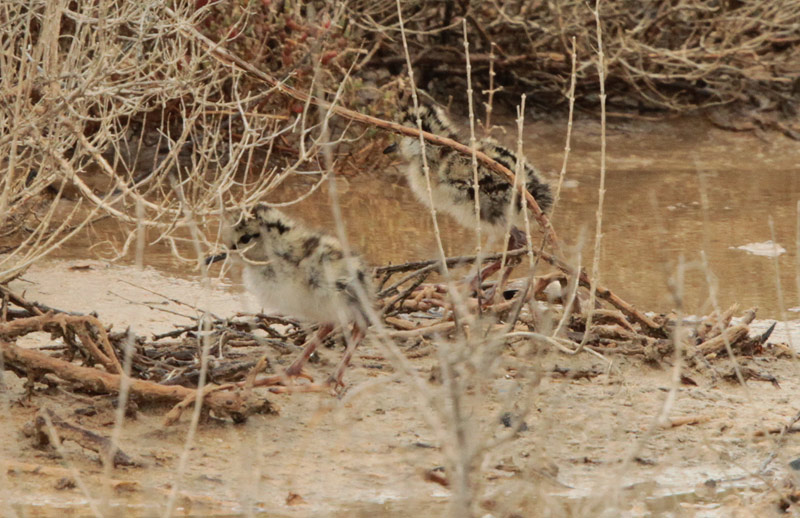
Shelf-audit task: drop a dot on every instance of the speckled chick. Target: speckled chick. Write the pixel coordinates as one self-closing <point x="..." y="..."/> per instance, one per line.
<point x="303" y="274"/>
<point x="296" y="271"/>
<point x="452" y="175"/>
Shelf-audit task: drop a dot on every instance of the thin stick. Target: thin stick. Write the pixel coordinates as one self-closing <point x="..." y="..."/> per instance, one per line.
<point x="487" y="126"/>
<point x="425" y="166"/>
<point x="119" y="420"/>
<point x="533" y="259"/>
<point x="678" y="343"/>
<point x="558" y="343"/>
<point x="602" y="292"/>
<point x="797" y="253"/>
<point x="198" y="405"/>
<point x="519" y="170"/>
<point x="567" y="148"/>
<point x="601" y="190"/>
<point x="55" y="441"/>
<point x="712" y="287"/>
<point x="779" y="285"/>
<point x="778" y="443"/>
<point x="473" y="144"/>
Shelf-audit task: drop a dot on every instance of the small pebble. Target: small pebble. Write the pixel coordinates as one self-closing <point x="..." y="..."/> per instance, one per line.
<point x="508" y="421"/>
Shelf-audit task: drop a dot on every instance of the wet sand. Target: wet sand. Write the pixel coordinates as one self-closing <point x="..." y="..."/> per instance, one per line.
<point x="366" y="454"/>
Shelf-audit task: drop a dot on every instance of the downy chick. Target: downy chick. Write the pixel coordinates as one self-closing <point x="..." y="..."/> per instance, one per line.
<point x="453" y="185"/>
<point x="301" y="273"/>
<point x="452" y="175"/>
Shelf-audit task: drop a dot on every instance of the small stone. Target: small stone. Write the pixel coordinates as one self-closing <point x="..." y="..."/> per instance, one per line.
<point x="65" y="483"/>
<point x="508" y="420"/>
<point x="295" y="499"/>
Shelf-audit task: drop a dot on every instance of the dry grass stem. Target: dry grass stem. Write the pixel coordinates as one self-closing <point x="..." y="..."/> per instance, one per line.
<point x="601" y="189"/>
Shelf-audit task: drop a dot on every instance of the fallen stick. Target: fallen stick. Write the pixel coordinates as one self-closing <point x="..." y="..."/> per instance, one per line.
<point x="441" y="327"/>
<point x="62" y="430"/>
<point x="174" y="415"/>
<point x="450" y="261"/>
<point x="650" y="326"/>
<point x="681" y="421"/>
<point x="15" y="468"/>
<point x="33" y="308"/>
<point x="779" y="443"/>
<point x="222" y="403"/>
<point x="400" y="323"/>
<point x="59" y="323"/>
<point x="729" y="336"/>
<point x="776" y="430"/>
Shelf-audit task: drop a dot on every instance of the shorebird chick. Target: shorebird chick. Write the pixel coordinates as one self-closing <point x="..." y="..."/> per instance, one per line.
<point x="452" y="181"/>
<point x="303" y="274"/>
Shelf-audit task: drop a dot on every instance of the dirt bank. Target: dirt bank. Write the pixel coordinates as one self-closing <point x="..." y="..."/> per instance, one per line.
<point x="589" y="443"/>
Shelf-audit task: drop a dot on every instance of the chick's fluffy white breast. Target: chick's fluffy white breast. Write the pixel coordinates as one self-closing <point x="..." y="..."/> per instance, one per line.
<point x="297" y="272"/>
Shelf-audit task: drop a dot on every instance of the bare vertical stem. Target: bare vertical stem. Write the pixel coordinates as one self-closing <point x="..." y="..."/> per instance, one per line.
<point x="567" y="145"/>
<point x="712" y="286"/>
<point x="205" y="343"/>
<point x="140" y="234"/>
<point x="601" y="190"/>
<point x="676" y="288"/>
<point x="7" y="429"/>
<point x="573" y="283"/>
<point x="473" y="143"/>
<point x="425" y="167"/>
<point x="119" y="421"/>
<point x="193" y="228"/>
<point x="779" y="285"/>
<point x="76" y="474"/>
<point x="489" y="104"/>
<point x="797" y="255"/>
<point x="677" y="340"/>
<point x="520" y="178"/>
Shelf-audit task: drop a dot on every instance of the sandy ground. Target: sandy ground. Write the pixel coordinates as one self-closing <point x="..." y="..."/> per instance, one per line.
<point x="591" y="447"/>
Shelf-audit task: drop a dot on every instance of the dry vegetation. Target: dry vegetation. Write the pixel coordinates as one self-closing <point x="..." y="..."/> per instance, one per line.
<point x="102" y="103"/>
<point x="660" y="56"/>
<point x="162" y="117"/>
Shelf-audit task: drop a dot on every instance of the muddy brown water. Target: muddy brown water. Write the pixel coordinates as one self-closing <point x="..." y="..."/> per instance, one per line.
<point x="657" y="175"/>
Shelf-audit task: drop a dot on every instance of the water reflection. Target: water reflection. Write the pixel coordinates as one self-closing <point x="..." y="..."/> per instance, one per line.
<point x="658" y="174"/>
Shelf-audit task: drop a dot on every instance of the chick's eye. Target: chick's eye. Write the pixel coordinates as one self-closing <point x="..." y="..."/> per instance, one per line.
<point x="246" y="238"/>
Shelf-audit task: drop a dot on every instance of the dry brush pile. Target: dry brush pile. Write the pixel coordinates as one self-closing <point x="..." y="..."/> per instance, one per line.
<point x="226" y="354"/>
<point x="660" y="56"/>
<point x="131" y="112"/>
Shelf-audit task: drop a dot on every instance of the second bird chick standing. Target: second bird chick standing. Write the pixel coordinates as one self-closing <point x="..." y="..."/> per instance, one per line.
<point x="452" y="181"/>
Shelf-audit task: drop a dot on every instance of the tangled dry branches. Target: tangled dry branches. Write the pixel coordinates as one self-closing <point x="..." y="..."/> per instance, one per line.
<point x="675" y="56"/>
<point x="118" y="111"/>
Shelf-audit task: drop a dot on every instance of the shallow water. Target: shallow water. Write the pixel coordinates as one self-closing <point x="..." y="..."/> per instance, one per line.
<point x="657" y="176"/>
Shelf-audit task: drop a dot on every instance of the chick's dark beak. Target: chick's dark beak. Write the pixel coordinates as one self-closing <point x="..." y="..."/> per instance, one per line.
<point x="216" y="258"/>
<point x="390" y="149"/>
